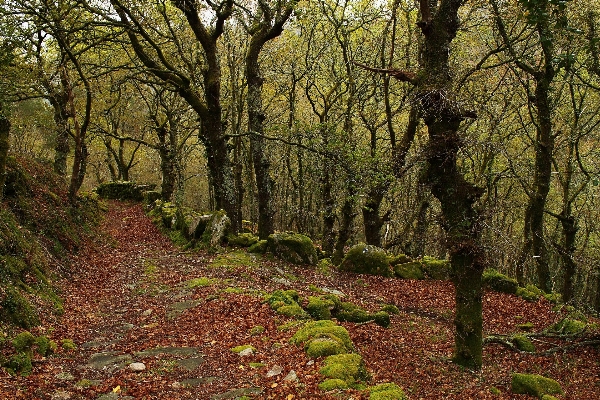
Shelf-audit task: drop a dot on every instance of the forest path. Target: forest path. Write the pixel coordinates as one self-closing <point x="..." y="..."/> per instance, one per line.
<point x="133" y="297"/>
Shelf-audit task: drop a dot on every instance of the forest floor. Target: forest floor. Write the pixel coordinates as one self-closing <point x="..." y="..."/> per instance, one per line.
<point x="129" y="299"/>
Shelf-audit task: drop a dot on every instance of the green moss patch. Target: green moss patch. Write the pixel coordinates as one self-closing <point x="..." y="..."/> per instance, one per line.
<point x="494" y="280"/>
<point x="535" y="385"/>
<point x="523" y="343"/>
<point x="410" y="270"/>
<point x="386" y="391"/>
<point x="366" y="259"/>
<point x="320" y="307"/>
<point x="200" y="282"/>
<point x="239" y="349"/>
<point x="346" y="367"/>
<point x="242" y="240"/>
<point x="123" y="190"/>
<point x="324" y="329"/>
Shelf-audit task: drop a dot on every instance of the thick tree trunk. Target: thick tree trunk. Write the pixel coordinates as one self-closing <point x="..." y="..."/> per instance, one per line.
<point x="4" y="145"/>
<point x="328" y="232"/>
<point x="443" y="115"/>
<point x="347" y="218"/>
<point x="569" y="227"/>
<point x="262" y="164"/>
<point x="372" y="221"/>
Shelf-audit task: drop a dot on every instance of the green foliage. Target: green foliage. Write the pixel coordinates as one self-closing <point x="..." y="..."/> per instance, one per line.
<point x="535" y="385"/>
<point x="387" y="391"/>
<point x="495" y="391"/>
<point x="529" y="293"/>
<point x="390" y="309"/>
<point x="257" y="330"/>
<point x="293" y="247"/>
<point x="574" y="323"/>
<point x="366" y="259"/>
<point x="494" y="280"/>
<point x="45" y="346"/>
<point x="285" y="302"/>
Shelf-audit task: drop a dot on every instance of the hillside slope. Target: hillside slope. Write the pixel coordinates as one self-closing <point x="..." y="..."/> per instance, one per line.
<point x="39" y="228"/>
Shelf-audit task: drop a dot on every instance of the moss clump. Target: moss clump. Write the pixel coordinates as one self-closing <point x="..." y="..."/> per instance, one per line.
<point x="323" y="329"/>
<point x="527" y="326"/>
<point x="68" y="345"/>
<point x="535" y="385"/>
<point x="322" y="347"/>
<point x="259" y="247"/>
<point x="20" y="363"/>
<point x="574" y="323"/>
<point x="23" y="342"/>
<point x="294" y="311"/>
<point x="494" y="280"/>
<point x="350" y="312"/>
<point x="523" y="343"/>
<point x="16" y="309"/>
<point x="200" y="282"/>
<point x="239" y="349"/>
<point x="320" y="307"/>
<point x="436" y="269"/>
<point x="495" y="391"/>
<point x="382" y="318"/>
<point x="390" y="309"/>
<point x="529" y="293"/>
<point x="257" y="330"/>
<point x="333" y="384"/>
<point x="293" y="247"/>
<point x="242" y="240"/>
<point x="45" y="346"/>
<point x="367" y="259"/>
<point x="346" y="367"/>
<point x="386" y="391"/>
<point x="285" y="302"/>
<point x="410" y="270"/>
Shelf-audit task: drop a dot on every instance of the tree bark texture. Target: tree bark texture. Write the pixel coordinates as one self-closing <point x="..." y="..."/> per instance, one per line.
<point x="4" y="145"/>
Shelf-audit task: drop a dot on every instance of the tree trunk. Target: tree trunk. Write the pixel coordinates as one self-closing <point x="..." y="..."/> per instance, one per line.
<point x="443" y="115"/>
<point x="372" y="221"/>
<point x="347" y="218"/>
<point x="4" y="145"/>
<point x="569" y="226"/>
<point x="262" y="164"/>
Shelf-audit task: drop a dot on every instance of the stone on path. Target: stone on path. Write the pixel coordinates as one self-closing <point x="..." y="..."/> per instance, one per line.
<point x="274" y="371"/>
<point x="137" y="366"/>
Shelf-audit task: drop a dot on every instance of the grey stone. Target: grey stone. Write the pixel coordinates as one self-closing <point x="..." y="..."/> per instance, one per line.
<point x="137" y="366"/>
<point x="246" y="352"/>
<point x="291" y="377"/>
<point x="108" y="360"/>
<point x="274" y="371"/>
<point x="190" y="363"/>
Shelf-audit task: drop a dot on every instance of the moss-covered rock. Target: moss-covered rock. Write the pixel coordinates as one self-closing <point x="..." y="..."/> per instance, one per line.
<point x="523" y="343"/>
<point x="366" y="259"/>
<point x="285" y="302"/>
<point x="410" y="270"/>
<point x="293" y="247"/>
<point x="320" y="307"/>
<point x="333" y="384"/>
<point x="323" y="329"/>
<point x="494" y="280"/>
<point x="217" y="229"/>
<point x="574" y="323"/>
<point x="349" y="368"/>
<point x="535" y="385"/>
<point x="259" y="247"/>
<point x="350" y="312"/>
<point x="387" y="391"/>
<point x="149" y="197"/>
<point x="325" y="346"/>
<point x="436" y="269"/>
<point x="23" y="342"/>
<point x="242" y="240"/>
<point x="390" y="309"/>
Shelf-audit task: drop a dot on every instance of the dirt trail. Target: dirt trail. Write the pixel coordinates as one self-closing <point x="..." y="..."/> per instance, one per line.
<point x="135" y="298"/>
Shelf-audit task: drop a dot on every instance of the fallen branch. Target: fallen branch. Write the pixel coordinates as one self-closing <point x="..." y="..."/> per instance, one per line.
<point x="404" y="76"/>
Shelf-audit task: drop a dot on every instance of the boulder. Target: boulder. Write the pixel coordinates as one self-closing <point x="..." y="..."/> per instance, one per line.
<point x="367" y="259"/>
<point x="293" y="247"/>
